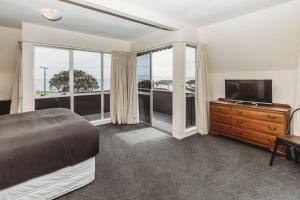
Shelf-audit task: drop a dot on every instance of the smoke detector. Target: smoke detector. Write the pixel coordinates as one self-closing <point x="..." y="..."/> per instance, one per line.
<point x="51" y="14"/>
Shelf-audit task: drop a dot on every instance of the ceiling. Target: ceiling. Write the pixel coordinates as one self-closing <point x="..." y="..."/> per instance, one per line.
<point x="13" y="12"/>
<point x="194" y="13"/>
<point x="203" y="12"/>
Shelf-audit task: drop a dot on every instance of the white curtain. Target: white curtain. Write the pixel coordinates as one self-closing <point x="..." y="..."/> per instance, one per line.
<point x="202" y="92"/>
<point x="295" y="129"/>
<point x="15" y="106"/>
<point x="124" y="94"/>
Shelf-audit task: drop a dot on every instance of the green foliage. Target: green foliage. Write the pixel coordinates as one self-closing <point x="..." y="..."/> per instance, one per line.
<point x="145" y="84"/>
<point x="83" y="82"/>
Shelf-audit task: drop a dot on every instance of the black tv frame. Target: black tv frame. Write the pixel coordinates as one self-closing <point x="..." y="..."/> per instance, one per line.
<point x="240" y="101"/>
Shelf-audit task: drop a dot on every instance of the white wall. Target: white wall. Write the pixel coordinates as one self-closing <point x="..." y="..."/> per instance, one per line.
<point x="60" y="37"/>
<point x="283" y="83"/>
<point x="35" y="34"/>
<point x="9" y="38"/>
<point x="260" y="45"/>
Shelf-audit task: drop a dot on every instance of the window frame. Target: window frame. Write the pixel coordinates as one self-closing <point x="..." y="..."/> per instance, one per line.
<point x="192" y="128"/>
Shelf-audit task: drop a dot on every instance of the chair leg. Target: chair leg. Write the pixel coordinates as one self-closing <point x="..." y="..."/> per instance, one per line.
<point x="274" y="153"/>
<point x="296" y="152"/>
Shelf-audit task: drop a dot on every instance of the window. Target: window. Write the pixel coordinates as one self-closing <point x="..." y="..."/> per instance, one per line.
<point x="190" y="86"/>
<point x="87" y="84"/>
<point x="73" y="79"/>
<point x="51" y="78"/>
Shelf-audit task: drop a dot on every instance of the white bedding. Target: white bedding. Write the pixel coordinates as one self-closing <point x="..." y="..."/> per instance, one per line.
<point x="53" y="185"/>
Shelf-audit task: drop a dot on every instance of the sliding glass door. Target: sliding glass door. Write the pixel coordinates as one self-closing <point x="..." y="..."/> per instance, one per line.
<point x="155" y="76"/>
<point x="162" y="77"/>
<point x="73" y="79"/>
<point x="144" y="86"/>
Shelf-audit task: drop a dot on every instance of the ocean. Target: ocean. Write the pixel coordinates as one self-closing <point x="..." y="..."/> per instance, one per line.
<point x="39" y="84"/>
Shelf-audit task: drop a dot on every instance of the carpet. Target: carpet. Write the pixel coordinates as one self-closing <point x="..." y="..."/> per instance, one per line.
<point x="141" y="163"/>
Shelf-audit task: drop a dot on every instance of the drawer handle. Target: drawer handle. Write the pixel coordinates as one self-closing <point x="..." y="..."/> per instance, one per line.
<point x="272" y="117"/>
<point x="270" y="140"/>
<point x="219" y="108"/>
<point x="239" y="121"/>
<point x="272" y="128"/>
<point x="239" y="112"/>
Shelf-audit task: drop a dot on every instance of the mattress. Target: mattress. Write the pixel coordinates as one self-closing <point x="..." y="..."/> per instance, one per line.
<point x="37" y="143"/>
<point x="52" y="185"/>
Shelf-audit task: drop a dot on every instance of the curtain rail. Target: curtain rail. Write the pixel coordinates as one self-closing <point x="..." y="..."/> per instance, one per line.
<point x="66" y="47"/>
<point x="162" y="46"/>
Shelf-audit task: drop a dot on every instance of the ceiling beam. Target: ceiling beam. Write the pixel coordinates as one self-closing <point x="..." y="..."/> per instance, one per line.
<point x="115" y="13"/>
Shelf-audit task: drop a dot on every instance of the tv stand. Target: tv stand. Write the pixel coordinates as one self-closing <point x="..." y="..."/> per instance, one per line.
<point x="256" y="124"/>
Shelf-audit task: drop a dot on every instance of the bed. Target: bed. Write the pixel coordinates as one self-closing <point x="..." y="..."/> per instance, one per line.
<point x="45" y="154"/>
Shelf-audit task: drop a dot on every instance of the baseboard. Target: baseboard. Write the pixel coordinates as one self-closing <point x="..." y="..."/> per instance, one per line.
<point x="101" y="122"/>
<point x="188" y="134"/>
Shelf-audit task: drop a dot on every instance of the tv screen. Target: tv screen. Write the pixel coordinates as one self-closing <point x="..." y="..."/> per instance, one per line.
<point x="258" y="91"/>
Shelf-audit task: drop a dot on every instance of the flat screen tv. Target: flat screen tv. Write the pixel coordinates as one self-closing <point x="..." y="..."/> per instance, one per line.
<point x="256" y="91"/>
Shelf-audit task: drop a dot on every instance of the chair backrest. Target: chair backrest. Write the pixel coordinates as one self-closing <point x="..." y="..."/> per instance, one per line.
<point x="291" y="120"/>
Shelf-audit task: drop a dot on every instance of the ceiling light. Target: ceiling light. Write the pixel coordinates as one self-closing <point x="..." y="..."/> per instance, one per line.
<point x="51" y="14"/>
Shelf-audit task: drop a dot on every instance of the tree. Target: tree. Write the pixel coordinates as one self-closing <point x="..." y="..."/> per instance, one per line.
<point x="144" y="84"/>
<point x="83" y="82"/>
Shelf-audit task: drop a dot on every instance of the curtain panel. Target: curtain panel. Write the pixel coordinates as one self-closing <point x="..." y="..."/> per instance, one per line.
<point x="202" y="92"/>
<point x="15" y="106"/>
<point x="124" y="94"/>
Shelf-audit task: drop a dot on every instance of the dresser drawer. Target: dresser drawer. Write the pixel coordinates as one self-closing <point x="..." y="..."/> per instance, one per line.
<point x="220" y="109"/>
<point x="260" y="138"/>
<point x="260" y="115"/>
<point x="220" y="127"/>
<point x="261" y="126"/>
<point x="220" y="117"/>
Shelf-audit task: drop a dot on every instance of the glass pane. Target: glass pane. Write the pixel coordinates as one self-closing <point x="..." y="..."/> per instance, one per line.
<point x="106" y="71"/>
<point x="56" y="102"/>
<point x="144" y="86"/>
<point x="87" y="71"/>
<point x="88" y="106"/>
<point x="143" y="73"/>
<point x="144" y="108"/>
<point x="162" y="75"/>
<point x="106" y="83"/>
<point x="107" y="105"/>
<point x="51" y="71"/>
<point x="162" y="70"/>
<point x="190" y="86"/>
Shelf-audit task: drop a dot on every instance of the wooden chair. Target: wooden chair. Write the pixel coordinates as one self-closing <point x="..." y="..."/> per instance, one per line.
<point x="289" y="140"/>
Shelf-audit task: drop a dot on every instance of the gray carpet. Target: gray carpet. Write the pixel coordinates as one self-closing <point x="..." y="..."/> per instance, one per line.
<point x="140" y="163"/>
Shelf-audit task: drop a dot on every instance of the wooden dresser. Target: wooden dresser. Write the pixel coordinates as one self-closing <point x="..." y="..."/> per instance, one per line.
<point x="258" y="125"/>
